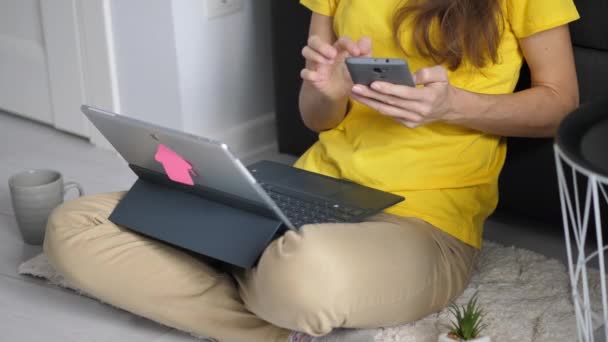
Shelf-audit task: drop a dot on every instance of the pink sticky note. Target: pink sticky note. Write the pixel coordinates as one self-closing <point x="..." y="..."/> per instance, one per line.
<point x="176" y="167"/>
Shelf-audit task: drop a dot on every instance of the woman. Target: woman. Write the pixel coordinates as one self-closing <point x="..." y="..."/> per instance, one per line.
<point x="438" y="145"/>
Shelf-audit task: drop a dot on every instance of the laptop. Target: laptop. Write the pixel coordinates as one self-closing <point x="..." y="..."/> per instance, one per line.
<point x="194" y="193"/>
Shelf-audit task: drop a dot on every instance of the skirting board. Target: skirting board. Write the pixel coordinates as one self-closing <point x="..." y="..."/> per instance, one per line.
<point x="252" y="138"/>
<point x="250" y="141"/>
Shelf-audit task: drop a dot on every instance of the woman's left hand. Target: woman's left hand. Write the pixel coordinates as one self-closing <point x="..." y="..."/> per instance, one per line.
<point x="412" y="107"/>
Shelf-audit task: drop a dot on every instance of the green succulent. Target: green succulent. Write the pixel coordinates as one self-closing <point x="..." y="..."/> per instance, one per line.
<point x="467" y="321"/>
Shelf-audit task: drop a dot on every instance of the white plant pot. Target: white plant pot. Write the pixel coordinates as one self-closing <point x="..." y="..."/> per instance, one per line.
<point x="444" y="338"/>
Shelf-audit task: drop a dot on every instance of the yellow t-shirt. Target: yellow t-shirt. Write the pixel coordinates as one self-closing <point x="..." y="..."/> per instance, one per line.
<point x="448" y="174"/>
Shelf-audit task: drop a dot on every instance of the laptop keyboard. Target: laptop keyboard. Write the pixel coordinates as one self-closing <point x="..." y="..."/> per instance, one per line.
<point x="302" y="210"/>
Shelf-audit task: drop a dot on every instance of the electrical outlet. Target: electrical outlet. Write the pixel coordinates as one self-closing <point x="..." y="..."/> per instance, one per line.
<point x="220" y="8"/>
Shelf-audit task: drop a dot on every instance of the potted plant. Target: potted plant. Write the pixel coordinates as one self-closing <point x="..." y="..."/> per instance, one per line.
<point x="466" y="323"/>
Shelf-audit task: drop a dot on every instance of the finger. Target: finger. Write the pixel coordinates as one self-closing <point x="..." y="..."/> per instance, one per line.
<point x="347" y="44"/>
<point x="366" y="92"/>
<point x="312" y="76"/>
<point x="387" y="109"/>
<point x="322" y="47"/>
<point x="365" y="46"/>
<point x="342" y="56"/>
<point x="401" y="91"/>
<point x="409" y="124"/>
<point x="434" y="74"/>
<point x="397" y="101"/>
<point x="418" y="100"/>
<point x="315" y="57"/>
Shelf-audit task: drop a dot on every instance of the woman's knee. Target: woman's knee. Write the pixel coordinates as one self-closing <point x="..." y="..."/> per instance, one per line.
<point x="300" y="284"/>
<point x="68" y="224"/>
<point x="84" y="211"/>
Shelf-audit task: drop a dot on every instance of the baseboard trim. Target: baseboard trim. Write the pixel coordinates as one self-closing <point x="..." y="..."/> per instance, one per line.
<point x="260" y="153"/>
<point x="248" y="141"/>
<point x="251" y="138"/>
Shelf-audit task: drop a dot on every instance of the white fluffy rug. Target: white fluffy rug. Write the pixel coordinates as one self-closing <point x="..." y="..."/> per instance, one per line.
<point x="525" y="295"/>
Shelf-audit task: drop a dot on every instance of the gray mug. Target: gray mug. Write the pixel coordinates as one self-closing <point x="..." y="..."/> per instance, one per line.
<point x="35" y="193"/>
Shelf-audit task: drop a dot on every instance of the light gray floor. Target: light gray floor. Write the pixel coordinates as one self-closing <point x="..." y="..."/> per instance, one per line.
<point x="30" y="310"/>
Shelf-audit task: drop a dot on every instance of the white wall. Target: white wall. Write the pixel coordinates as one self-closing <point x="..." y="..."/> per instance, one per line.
<point x="146" y="64"/>
<point x="208" y="77"/>
<point x="225" y="68"/>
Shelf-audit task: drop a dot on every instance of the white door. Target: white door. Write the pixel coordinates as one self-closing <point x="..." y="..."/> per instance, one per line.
<point x="54" y="56"/>
<point x="24" y="81"/>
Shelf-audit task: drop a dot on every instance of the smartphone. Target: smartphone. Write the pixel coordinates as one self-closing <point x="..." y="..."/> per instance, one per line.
<point x="365" y="71"/>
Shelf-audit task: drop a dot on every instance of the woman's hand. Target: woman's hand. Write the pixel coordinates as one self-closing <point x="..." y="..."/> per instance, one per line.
<point x="412" y="107"/>
<point x="325" y="67"/>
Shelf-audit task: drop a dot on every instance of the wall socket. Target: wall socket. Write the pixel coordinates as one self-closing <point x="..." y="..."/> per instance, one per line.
<point x="220" y="8"/>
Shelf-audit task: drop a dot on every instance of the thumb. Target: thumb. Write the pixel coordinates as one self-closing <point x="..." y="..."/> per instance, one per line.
<point x="436" y="74"/>
<point x="365" y="46"/>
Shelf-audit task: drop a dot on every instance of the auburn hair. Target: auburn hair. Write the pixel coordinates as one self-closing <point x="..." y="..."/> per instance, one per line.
<point x="467" y="30"/>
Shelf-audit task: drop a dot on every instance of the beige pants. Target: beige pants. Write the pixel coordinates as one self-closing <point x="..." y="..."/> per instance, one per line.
<point x="383" y="272"/>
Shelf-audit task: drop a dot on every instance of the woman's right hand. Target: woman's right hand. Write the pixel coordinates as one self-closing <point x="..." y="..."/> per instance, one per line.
<point x="325" y="67"/>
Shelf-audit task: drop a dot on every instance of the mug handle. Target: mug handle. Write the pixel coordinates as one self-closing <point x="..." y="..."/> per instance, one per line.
<point x="73" y="185"/>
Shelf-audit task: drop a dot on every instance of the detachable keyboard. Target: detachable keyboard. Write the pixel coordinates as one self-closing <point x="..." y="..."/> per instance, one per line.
<point x="301" y="209"/>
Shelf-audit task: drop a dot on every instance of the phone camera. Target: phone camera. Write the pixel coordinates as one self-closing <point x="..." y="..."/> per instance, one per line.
<point x="379" y="70"/>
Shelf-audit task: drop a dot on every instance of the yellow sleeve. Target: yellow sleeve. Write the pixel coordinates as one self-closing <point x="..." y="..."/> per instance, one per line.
<point x="528" y="17"/>
<point x="324" y="7"/>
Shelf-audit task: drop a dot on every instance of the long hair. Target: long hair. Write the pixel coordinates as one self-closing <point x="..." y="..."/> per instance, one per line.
<point x="467" y="30"/>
